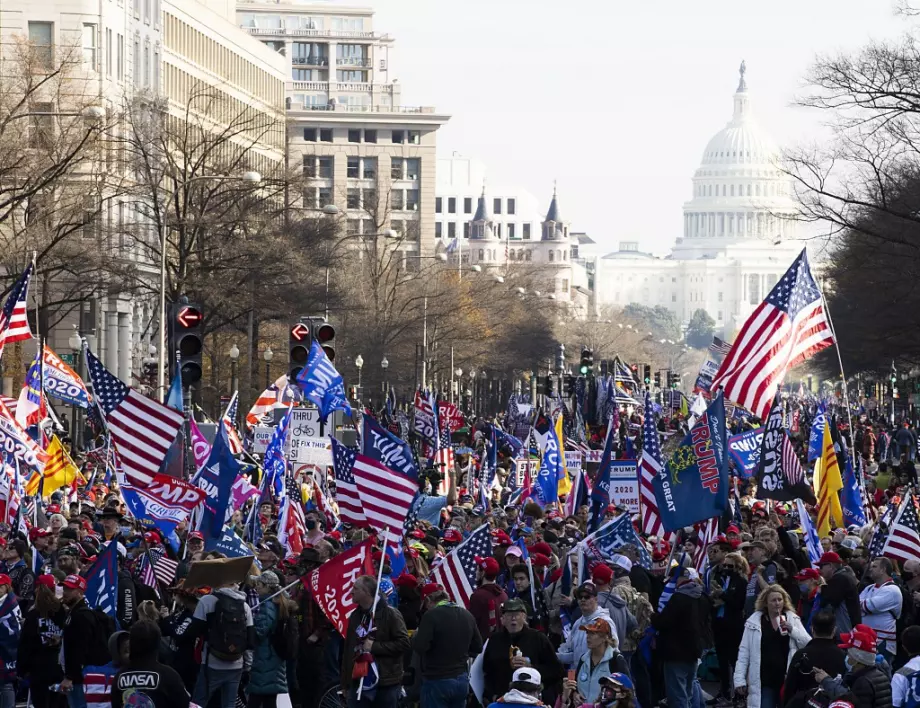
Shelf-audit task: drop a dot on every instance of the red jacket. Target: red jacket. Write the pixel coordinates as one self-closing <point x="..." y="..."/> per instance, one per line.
<point x="486" y="608"/>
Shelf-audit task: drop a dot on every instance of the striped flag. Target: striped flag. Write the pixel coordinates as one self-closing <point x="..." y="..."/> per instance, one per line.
<point x="457" y="572"/>
<point x="292" y="526"/>
<point x="266" y="402"/>
<point x="812" y="542"/>
<point x="164" y="567"/>
<point x="671" y="585"/>
<point x="59" y="471"/>
<point x="880" y="535"/>
<point x="786" y="329"/>
<point x="649" y="467"/>
<point x="903" y="542"/>
<point x="141" y="429"/>
<point x="233" y="437"/>
<point x="828" y="483"/>
<point x="14" y="319"/>
<point x="97" y="686"/>
<point x="370" y="494"/>
<point x="707" y="534"/>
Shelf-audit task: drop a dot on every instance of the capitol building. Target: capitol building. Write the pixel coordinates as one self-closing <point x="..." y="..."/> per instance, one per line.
<point x="737" y="238"/>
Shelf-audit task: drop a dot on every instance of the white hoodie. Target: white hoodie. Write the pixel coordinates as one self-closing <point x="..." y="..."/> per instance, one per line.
<point x="576" y="646"/>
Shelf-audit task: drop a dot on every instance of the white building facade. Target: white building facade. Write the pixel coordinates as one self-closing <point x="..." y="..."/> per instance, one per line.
<point x="737" y="240"/>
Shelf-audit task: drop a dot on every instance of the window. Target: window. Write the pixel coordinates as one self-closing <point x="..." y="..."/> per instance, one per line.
<point x="719" y="297"/>
<point x="673" y="280"/>
<point x="351" y="76"/>
<point x="146" y="65"/>
<point x="156" y="69"/>
<point x="368" y="168"/>
<point x="412" y="167"/>
<point x="754" y="289"/>
<point x="415" y="137"/>
<point x="354" y="168"/>
<point x="438" y="226"/>
<point x="510" y="230"/>
<point x="451" y="229"/>
<point x="412" y="199"/>
<point x="481" y="253"/>
<point x="120" y="58"/>
<point x="498" y="230"/>
<point x="309" y="53"/>
<point x="147" y="11"/>
<point x="496" y="206"/>
<point x="42" y="126"/>
<point x="369" y="201"/>
<point x="527" y="255"/>
<point x="720" y="315"/>
<point x="314" y="167"/>
<point x="354" y="136"/>
<point x="353" y="198"/>
<point x="41" y="35"/>
<point x="325" y="135"/>
<point x="397" y="200"/>
<point x="309" y="135"/>
<point x="511" y="206"/>
<point x="353" y="227"/>
<point x="437" y="205"/>
<point x="136" y="57"/>
<point x="398" y="136"/>
<point x="451" y="205"/>
<point x="466" y="229"/>
<point x="673" y="297"/>
<point x="370" y="136"/>
<point x="552" y="256"/>
<point x="108" y="53"/>
<point x="325" y="196"/>
<point x="565" y="285"/>
<point x="467" y="205"/>
<point x="90" y="229"/>
<point x="526" y="232"/>
<point x="299" y="74"/>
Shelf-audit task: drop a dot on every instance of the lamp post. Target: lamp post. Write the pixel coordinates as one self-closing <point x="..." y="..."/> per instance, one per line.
<point x="458" y="372"/>
<point x="385" y="364"/>
<point x="234" y="356"/>
<point x="268" y="354"/>
<point x="76" y="344"/>
<point x="359" y="363"/>
<point x="251" y="178"/>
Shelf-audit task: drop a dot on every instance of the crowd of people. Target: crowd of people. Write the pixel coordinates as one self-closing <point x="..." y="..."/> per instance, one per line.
<point x="757" y="623"/>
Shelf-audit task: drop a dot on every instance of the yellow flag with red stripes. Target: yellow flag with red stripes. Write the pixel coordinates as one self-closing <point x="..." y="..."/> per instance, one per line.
<point x="565" y="482"/>
<point x="60" y="470"/>
<point x="828" y="482"/>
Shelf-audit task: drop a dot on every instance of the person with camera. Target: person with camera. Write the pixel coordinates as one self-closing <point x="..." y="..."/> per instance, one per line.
<point x="429" y="505"/>
<point x="821" y="652"/>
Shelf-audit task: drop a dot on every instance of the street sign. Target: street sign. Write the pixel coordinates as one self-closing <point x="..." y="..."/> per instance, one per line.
<point x="68" y="358"/>
<point x="305" y="444"/>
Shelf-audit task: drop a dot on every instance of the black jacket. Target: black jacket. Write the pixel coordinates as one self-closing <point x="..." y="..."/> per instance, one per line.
<point x="127" y="599"/>
<point x="818" y="653"/>
<point x="23" y="583"/>
<point x="391" y="640"/>
<point x="148" y="677"/>
<point x="534" y="645"/>
<point x="870" y="687"/>
<point x="447" y="637"/>
<point x="729" y="628"/>
<point x="682" y="626"/>
<point x="179" y="632"/>
<point x="40" y="646"/>
<point x="79" y="625"/>
<point x="842" y="593"/>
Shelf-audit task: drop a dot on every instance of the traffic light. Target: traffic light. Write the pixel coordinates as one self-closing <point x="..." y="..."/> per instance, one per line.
<point x="647" y="374"/>
<point x="657" y="379"/>
<point x="568" y="385"/>
<point x="587" y="361"/>
<point x="673" y="379"/>
<point x="298" y="349"/>
<point x="187" y="339"/>
<point x="324" y="333"/>
<point x="546" y="385"/>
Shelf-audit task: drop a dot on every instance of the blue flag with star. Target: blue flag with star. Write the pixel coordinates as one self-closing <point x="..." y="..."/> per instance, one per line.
<point x="546" y="485"/>
<point x="392" y="452"/>
<point x="102" y="580"/>
<point x="322" y="384"/>
<point x="216" y="478"/>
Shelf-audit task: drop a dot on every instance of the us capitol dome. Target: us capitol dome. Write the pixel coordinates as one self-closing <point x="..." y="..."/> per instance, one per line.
<point x="737" y="238"/>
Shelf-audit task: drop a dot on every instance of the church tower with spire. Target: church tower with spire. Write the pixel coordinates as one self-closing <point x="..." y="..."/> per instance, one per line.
<point x="481" y="227"/>
<point x="554" y="228"/>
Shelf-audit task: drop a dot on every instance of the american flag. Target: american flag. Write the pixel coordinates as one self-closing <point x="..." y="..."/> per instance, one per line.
<point x="291" y="524"/>
<point x="707" y="534"/>
<point x="444" y="456"/>
<point x="370" y="494"/>
<point x="141" y="429"/>
<point x="649" y="468"/>
<point x="623" y="375"/>
<point x="457" y="572"/>
<point x="786" y="329"/>
<point x="97" y="686"/>
<point x="14" y="319"/>
<point x="233" y="437"/>
<point x="877" y="544"/>
<point x="164" y="567"/>
<point x="266" y="402"/>
<point x="904" y="535"/>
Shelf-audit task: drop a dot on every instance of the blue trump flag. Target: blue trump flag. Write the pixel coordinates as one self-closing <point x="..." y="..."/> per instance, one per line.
<point x="850" y="497"/>
<point x="506" y="439"/>
<point x="216" y="478"/>
<point x="744" y="450"/>
<point x="546" y="487"/>
<point x="229" y="544"/>
<point x="812" y="542"/>
<point x="612" y="536"/>
<point x="389" y="450"/>
<point x="322" y="384"/>
<point x="600" y="493"/>
<point x="274" y="464"/>
<point x="816" y="434"/>
<point x="102" y="580"/>
<point x="693" y="485"/>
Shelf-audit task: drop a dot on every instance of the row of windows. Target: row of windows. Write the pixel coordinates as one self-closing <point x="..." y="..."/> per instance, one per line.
<point x="188" y="42"/>
<point x="367" y="135"/>
<point x="320" y="75"/>
<point x="712" y="190"/>
<point x="500" y="230"/>
<point x="511" y="205"/>
<point x="300" y="22"/>
<point x="323" y="167"/>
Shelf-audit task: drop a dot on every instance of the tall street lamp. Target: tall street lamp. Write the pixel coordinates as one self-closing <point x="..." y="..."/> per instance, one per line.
<point x="359" y="363"/>
<point x="251" y="178"/>
<point x="234" y="356"/>
<point x="268" y="355"/>
<point x="385" y="364"/>
<point x="76" y="344"/>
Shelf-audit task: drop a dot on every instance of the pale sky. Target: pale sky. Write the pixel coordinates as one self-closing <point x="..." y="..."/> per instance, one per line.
<point x="615" y="99"/>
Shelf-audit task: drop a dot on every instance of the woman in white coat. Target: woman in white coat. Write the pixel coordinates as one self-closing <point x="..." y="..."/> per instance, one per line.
<point x="771" y="636"/>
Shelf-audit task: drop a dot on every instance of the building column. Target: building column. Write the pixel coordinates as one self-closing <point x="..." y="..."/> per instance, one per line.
<point x="332" y="65"/>
<point x="124" y="347"/>
<point x="111" y="340"/>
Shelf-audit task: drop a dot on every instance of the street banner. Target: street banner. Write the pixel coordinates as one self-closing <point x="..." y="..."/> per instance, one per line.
<point x="744" y="450"/>
<point x="331" y="584"/>
<point x="693" y="485"/>
<point x="716" y="352"/>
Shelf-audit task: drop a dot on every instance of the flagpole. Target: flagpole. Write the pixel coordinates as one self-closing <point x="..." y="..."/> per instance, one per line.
<point x="383" y="555"/>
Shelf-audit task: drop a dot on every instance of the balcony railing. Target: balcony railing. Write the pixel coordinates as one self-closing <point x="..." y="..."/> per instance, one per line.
<point x="354" y="61"/>
<point x="380" y="89"/>
<point x="370" y="109"/>
<point x="332" y="34"/>
<point x="311" y="61"/>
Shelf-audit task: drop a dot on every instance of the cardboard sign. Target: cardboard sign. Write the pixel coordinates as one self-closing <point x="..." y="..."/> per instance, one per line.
<point x="624" y="484"/>
<point x="261" y="435"/>
<point x="521" y="466"/>
<point x="218" y="572"/>
<point x="573" y="460"/>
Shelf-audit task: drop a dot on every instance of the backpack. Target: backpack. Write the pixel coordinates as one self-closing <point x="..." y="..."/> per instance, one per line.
<point x="104" y="626"/>
<point x="913" y="687"/>
<point x="286" y="638"/>
<point x="227" y="634"/>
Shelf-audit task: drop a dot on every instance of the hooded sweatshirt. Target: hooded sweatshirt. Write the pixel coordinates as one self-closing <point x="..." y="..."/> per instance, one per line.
<point x="206" y="605"/>
<point x="516" y="698"/>
<point x="624" y="620"/>
<point x="486" y="606"/>
<point x="576" y="646"/>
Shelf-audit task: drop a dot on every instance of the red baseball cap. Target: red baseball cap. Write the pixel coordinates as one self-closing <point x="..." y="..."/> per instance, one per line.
<point x="452" y="536"/>
<point x="74" y="582"/>
<point x="539" y="560"/>
<point x="195" y="535"/>
<point x="36" y="532"/>
<point x="48" y="581"/>
<point x="732" y="529"/>
<point x="430" y="588"/>
<point x="830" y="557"/>
<point x="808" y="574"/>
<point x="5" y="579"/>
<point x="602" y="574"/>
<point x="541" y="547"/>
<point x="489" y="566"/>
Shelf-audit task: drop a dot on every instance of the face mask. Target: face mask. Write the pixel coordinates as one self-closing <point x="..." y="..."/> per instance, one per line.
<point x="804" y="587"/>
<point x="311" y="524"/>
